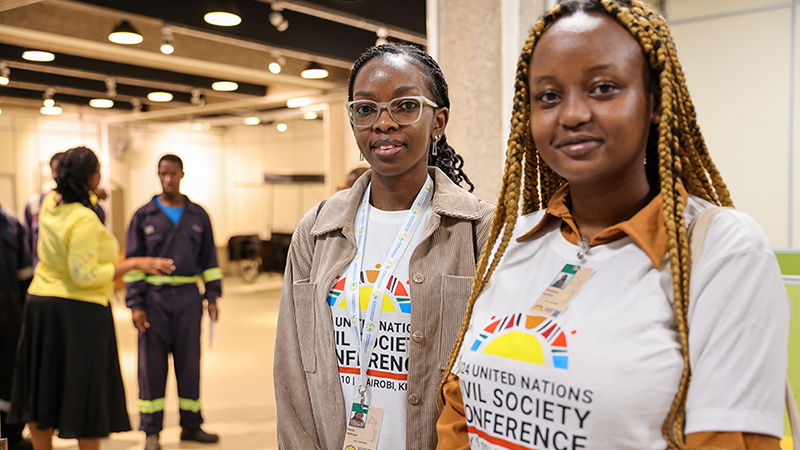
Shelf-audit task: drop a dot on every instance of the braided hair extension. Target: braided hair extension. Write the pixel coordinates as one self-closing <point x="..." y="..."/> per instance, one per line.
<point x="446" y="159"/>
<point x="676" y="156"/>
<point x="75" y="166"/>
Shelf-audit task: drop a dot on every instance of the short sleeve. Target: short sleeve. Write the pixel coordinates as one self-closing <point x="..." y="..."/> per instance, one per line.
<point x="738" y="316"/>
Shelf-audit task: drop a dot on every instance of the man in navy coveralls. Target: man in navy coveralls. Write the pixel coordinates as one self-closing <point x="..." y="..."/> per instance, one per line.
<point x="167" y="310"/>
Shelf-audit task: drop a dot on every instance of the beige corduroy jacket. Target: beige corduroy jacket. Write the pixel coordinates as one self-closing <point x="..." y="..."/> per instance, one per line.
<point x="311" y="409"/>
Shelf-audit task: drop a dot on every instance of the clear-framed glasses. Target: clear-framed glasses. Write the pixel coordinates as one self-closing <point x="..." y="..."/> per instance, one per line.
<point x="403" y="110"/>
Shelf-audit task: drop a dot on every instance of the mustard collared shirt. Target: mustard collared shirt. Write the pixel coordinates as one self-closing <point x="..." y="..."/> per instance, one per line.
<point x="77" y="254"/>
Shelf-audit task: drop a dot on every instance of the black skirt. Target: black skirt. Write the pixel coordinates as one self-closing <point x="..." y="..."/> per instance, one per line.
<point x="67" y="375"/>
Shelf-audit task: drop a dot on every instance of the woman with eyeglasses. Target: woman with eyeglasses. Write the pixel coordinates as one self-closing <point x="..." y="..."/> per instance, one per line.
<point x="378" y="276"/>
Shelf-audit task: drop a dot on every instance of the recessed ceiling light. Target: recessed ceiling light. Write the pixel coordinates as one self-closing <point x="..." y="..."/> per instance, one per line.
<point x="274" y="67"/>
<point x="223" y="13"/>
<point x="310" y="115"/>
<point x="314" y="72"/>
<point x="101" y="103"/>
<point x="50" y="110"/>
<point x="125" y="34"/>
<point x="252" y="121"/>
<point x="298" y="102"/>
<point x="224" y="86"/>
<point x="159" y="97"/>
<point x="281" y="127"/>
<point x="38" y="56"/>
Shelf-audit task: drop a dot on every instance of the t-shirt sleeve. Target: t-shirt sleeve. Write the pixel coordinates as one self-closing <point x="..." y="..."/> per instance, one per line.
<point x="738" y="332"/>
<point x="84" y="267"/>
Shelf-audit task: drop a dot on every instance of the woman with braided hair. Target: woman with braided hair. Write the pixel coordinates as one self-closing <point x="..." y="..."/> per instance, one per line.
<point x="378" y="276"/>
<point x="67" y="376"/>
<point x="641" y="348"/>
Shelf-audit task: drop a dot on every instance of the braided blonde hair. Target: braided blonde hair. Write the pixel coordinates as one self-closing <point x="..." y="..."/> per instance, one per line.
<point x="677" y="156"/>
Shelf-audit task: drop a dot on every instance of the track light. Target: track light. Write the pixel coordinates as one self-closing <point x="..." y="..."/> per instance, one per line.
<point x="276" y="18"/>
<point x="277" y="65"/>
<point x="197" y="98"/>
<point x="49" y="107"/>
<point x="136" y="105"/>
<point x="125" y="34"/>
<point x="223" y="13"/>
<point x="310" y="115"/>
<point x="159" y="97"/>
<point x="298" y="102"/>
<point x="167" y="40"/>
<point x="224" y="86"/>
<point x="281" y="127"/>
<point x="252" y="120"/>
<point x="38" y="56"/>
<point x="5" y="73"/>
<point x="314" y="72"/>
<point x="382" y="34"/>
<point x="111" y="87"/>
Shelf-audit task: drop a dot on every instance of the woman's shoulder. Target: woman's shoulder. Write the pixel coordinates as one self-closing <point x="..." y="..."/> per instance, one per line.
<point x="730" y="230"/>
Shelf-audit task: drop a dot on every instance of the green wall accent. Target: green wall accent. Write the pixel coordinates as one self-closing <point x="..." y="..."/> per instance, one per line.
<point x="789" y="262"/>
<point x="794" y="346"/>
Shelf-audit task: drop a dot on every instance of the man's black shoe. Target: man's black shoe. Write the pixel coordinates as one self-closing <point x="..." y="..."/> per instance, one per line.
<point x="198" y="435"/>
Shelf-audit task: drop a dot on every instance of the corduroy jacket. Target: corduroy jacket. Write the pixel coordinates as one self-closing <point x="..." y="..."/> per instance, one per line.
<point x="311" y="409"/>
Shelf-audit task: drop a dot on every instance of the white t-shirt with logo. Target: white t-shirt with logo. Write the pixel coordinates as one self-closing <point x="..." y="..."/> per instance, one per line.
<point x="388" y="369"/>
<point x="603" y="374"/>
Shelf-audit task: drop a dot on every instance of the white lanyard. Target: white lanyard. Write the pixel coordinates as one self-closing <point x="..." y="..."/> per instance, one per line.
<point x="375" y="306"/>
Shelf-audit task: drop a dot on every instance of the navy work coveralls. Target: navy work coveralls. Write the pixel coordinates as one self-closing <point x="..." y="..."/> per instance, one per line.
<point x="15" y="276"/>
<point x="174" y="307"/>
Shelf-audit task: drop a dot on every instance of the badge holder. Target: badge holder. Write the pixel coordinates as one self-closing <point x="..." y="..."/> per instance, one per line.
<point x="363" y="426"/>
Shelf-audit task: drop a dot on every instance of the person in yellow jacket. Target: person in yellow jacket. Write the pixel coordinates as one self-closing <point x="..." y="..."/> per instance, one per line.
<point x="67" y="376"/>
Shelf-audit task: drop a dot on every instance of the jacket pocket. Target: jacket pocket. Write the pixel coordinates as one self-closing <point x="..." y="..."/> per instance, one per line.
<point x="303" y="296"/>
<point x="151" y="243"/>
<point x="455" y="295"/>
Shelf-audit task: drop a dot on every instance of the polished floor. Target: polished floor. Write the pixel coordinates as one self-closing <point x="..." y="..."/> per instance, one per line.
<point x="236" y="382"/>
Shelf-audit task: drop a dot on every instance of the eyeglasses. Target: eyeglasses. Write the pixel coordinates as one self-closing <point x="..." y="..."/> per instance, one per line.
<point x="403" y="110"/>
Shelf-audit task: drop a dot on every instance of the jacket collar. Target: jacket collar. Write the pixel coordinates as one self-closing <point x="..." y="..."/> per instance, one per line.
<point x="152" y="207"/>
<point x="448" y="200"/>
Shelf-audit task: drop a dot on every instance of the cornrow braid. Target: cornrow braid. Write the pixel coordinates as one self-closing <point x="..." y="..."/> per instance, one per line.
<point x="677" y="157"/>
<point x="446" y="159"/>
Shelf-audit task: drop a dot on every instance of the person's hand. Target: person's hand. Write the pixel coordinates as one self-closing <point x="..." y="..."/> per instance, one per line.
<point x="213" y="311"/>
<point x="156" y="266"/>
<point x="101" y="193"/>
<point x="140" y="320"/>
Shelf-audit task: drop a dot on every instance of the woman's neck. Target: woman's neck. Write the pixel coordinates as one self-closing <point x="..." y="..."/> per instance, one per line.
<point x="395" y="193"/>
<point x="595" y="208"/>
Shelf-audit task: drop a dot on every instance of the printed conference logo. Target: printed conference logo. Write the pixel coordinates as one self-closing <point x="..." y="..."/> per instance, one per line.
<point x="388" y="366"/>
<point x="521" y="337"/>
<point x="523" y="409"/>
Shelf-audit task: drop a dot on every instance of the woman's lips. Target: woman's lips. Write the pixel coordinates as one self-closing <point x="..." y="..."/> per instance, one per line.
<point x="387" y="150"/>
<point x="577" y="147"/>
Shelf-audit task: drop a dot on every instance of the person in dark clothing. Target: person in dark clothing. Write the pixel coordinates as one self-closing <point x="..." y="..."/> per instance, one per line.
<point x="167" y="310"/>
<point x="15" y="276"/>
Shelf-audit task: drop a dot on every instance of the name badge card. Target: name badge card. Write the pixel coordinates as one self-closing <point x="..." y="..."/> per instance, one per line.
<point x="363" y="427"/>
<point x="564" y="287"/>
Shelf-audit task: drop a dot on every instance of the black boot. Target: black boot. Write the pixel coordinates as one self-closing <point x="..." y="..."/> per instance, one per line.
<point x="198" y="435"/>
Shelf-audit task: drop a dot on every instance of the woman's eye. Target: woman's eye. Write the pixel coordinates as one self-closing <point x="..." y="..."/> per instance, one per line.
<point x="604" y="89"/>
<point x="364" y="109"/>
<point x="548" y="97"/>
<point x="408" y="105"/>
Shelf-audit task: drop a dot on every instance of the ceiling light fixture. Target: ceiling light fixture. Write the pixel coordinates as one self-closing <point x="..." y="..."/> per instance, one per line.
<point x="198" y="99"/>
<point x="50" y="110"/>
<point x="281" y="127"/>
<point x="252" y="120"/>
<point x="314" y="72"/>
<point x="5" y="73"/>
<point x="159" y="97"/>
<point x="298" y="102"/>
<point x="224" y="86"/>
<point x="136" y="105"/>
<point x="101" y="103"/>
<point x="111" y="87"/>
<point x="223" y="13"/>
<point x="277" y="65"/>
<point x="276" y="18"/>
<point x="125" y="34"/>
<point x="310" y="115"/>
<point x="382" y="34"/>
<point x="49" y="107"/>
<point x="38" y="56"/>
<point x="167" y="40"/>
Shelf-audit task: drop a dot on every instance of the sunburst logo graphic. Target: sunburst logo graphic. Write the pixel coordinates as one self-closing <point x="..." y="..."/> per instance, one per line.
<point x="395" y="297"/>
<point x="524" y="337"/>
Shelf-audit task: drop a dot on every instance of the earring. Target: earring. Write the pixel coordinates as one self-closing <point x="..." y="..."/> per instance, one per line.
<point x="434" y="146"/>
<point x="360" y="156"/>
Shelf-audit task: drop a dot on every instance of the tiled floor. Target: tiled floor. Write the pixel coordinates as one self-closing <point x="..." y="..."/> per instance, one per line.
<point x="236" y="387"/>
